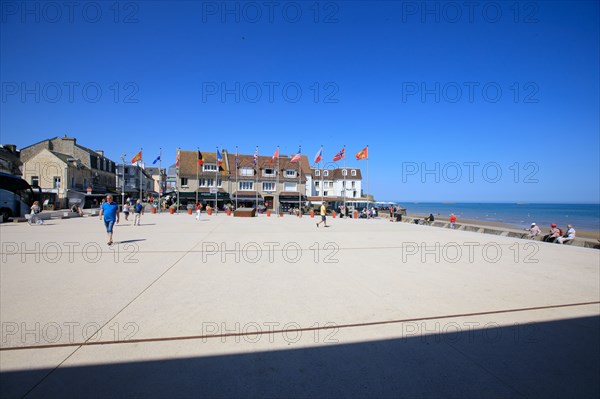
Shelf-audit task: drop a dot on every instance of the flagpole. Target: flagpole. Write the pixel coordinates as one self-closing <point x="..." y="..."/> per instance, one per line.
<point x="277" y="183"/>
<point x="299" y="181"/>
<point x="197" y="171"/>
<point x="256" y="180"/>
<point x="368" y="202"/>
<point x="344" y="191"/>
<point x="216" y="179"/>
<point x="177" y="186"/>
<point x="236" y="178"/>
<point x="139" y="166"/>
<point x="160" y="184"/>
<point x="322" y="173"/>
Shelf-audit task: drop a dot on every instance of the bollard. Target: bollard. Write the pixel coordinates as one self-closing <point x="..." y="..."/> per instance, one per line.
<point x="334" y="214"/>
<point x="312" y="213"/>
<point x="189" y="211"/>
<point x="268" y="213"/>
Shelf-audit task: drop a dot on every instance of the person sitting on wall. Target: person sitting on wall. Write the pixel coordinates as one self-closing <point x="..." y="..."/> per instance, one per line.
<point x="569" y="235"/>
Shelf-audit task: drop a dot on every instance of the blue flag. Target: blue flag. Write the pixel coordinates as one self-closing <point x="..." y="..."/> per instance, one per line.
<point x="156" y="160"/>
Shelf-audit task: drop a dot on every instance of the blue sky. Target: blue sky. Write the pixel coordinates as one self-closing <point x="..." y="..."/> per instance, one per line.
<point x="504" y="87"/>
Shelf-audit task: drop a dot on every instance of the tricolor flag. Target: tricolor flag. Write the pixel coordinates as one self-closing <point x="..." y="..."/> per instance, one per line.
<point x="200" y="158"/>
<point x="340" y="155"/>
<point x="156" y="160"/>
<point x="319" y="155"/>
<point x="297" y="156"/>
<point x="256" y="156"/>
<point x="137" y="158"/>
<point x="177" y="159"/>
<point x="275" y="156"/>
<point x="219" y="158"/>
<point x="363" y="154"/>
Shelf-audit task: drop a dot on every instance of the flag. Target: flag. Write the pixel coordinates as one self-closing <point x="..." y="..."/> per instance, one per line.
<point x="364" y="153"/>
<point x="200" y="158"/>
<point x="137" y="158"/>
<point x="256" y="156"/>
<point x="275" y="156"/>
<point x="340" y="155"/>
<point x="296" y="157"/>
<point x="219" y="158"/>
<point x="177" y="158"/>
<point x="156" y="160"/>
<point x="237" y="164"/>
<point x="319" y="155"/>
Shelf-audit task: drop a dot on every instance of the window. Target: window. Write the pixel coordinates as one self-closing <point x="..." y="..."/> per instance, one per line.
<point x="317" y="172"/>
<point x="325" y="193"/>
<point x="290" y="173"/>
<point x="246" y="171"/>
<point x="85" y="183"/>
<point x="56" y="182"/>
<point x="289" y="186"/>
<point x="325" y="173"/>
<point x="184" y="181"/>
<point x="35" y="180"/>
<point x="72" y="181"/>
<point x="344" y="184"/>
<point x="268" y="186"/>
<point x="209" y="167"/>
<point x="344" y="172"/>
<point x="317" y="183"/>
<point x="269" y="172"/>
<point x="205" y="182"/>
<point x="353" y="173"/>
<point x="246" y="185"/>
<point x="354" y="194"/>
<point x="353" y="184"/>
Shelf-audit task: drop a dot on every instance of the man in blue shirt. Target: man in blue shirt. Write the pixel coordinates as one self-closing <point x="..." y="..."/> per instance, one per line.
<point x="110" y="212"/>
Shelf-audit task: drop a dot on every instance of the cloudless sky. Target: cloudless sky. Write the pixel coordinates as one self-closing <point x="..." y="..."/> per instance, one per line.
<point x="506" y="87"/>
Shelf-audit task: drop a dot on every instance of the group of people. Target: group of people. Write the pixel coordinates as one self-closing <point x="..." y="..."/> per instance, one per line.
<point x="555" y="234"/>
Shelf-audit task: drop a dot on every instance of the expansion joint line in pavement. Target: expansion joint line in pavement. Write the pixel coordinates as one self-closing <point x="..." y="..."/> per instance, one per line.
<point x="305" y="329"/>
<point x="87" y="341"/>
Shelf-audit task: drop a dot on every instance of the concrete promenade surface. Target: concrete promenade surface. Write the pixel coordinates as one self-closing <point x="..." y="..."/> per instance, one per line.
<point x="276" y="307"/>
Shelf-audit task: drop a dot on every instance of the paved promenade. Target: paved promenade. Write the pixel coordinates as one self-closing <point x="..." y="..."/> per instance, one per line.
<point x="276" y="307"/>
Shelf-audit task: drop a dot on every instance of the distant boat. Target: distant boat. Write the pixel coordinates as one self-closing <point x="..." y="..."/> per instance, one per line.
<point x="522" y="203"/>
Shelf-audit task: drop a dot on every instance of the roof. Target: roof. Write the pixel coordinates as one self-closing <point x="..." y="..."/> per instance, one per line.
<point x="336" y="174"/>
<point x="92" y="152"/>
<point x="188" y="163"/>
<point x="264" y="162"/>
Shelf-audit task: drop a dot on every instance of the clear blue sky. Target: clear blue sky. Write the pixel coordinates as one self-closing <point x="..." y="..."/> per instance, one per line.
<point x="367" y="72"/>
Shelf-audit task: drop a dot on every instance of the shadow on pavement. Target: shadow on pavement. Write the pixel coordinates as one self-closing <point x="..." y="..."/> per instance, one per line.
<point x="538" y="360"/>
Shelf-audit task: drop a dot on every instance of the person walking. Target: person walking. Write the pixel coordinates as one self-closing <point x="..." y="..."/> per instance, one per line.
<point x="109" y="213"/>
<point x="126" y="211"/>
<point x="323" y="214"/>
<point x="138" y="211"/>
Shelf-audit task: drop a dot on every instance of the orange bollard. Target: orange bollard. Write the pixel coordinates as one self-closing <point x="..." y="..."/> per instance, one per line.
<point x="228" y="212"/>
<point x="355" y="214"/>
<point x="312" y="213"/>
<point x="171" y="210"/>
<point x="334" y="214"/>
<point x="189" y="211"/>
<point x="209" y="212"/>
<point x="268" y="213"/>
<point x="153" y="210"/>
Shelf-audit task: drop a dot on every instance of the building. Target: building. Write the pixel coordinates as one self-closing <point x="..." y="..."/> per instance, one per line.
<point x="281" y="183"/>
<point x="338" y="183"/>
<point x="133" y="174"/>
<point x="160" y="179"/>
<point x="68" y="172"/>
<point x="10" y="161"/>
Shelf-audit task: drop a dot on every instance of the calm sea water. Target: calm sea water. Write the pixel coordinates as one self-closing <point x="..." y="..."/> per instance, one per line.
<point x="582" y="216"/>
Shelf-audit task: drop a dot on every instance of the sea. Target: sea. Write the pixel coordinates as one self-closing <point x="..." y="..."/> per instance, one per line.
<point x="519" y="215"/>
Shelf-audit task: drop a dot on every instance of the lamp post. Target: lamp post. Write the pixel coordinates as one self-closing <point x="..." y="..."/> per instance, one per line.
<point x="123" y="181"/>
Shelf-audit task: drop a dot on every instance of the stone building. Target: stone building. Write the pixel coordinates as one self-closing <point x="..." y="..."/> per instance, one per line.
<point x="68" y="172"/>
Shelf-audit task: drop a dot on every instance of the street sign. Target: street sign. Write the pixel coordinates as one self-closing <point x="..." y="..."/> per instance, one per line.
<point x="213" y="190"/>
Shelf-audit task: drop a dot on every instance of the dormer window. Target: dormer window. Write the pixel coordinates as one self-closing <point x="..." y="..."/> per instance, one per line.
<point x="325" y="173"/>
<point x="344" y="172"/>
<point x="353" y="172"/>
<point x="317" y="172"/>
